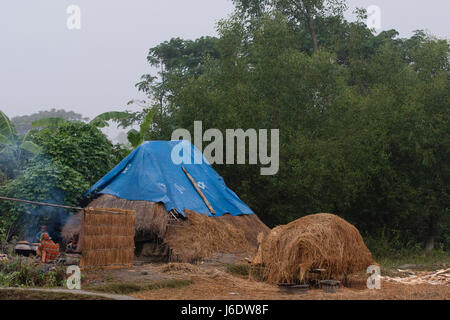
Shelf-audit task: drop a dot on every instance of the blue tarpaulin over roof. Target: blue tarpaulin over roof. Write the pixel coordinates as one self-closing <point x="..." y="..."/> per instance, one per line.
<point x="150" y="174"/>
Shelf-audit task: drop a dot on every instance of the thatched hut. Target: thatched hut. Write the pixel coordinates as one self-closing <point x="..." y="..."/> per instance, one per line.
<point x="320" y="242"/>
<point x="184" y="212"/>
<point x="161" y="237"/>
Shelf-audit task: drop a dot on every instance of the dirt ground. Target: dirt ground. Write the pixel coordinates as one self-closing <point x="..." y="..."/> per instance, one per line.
<point x="213" y="282"/>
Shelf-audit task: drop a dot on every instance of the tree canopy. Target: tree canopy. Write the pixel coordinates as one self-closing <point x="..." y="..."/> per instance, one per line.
<point x="363" y="121"/>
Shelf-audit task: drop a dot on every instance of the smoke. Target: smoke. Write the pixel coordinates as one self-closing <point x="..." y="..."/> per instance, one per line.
<point x="53" y="218"/>
<point x="44" y="181"/>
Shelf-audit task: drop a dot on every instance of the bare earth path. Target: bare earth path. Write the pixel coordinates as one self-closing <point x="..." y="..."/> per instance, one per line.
<point x="213" y="282"/>
<point x="231" y="288"/>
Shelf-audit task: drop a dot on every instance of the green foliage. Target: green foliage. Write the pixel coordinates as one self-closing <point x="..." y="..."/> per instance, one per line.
<point x="14" y="151"/>
<point x="179" y="61"/>
<point x="7" y="130"/>
<point x="79" y="146"/>
<point x="51" y="123"/>
<point x="305" y="16"/>
<point x="126" y="119"/>
<point x="101" y="121"/>
<point x="393" y="255"/>
<point x="73" y="156"/>
<point x="238" y="269"/>
<point x="44" y="181"/>
<point x="363" y="122"/>
<point x="135" y="137"/>
<point x="24" y="272"/>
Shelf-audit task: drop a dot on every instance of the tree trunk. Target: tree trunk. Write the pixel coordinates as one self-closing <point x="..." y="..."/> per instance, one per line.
<point x="312" y="31"/>
<point x="432" y="230"/>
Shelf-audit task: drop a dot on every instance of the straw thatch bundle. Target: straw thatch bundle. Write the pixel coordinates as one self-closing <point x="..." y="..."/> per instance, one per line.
<point x="201" y="236"/>
<point x="189" y="239"/>
<point x="320" y="241"/>
<point x="151" y="218"/>
<point x="107" y="237"/>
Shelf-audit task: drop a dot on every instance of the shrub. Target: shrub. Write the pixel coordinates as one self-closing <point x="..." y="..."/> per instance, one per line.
<point x="25" y="272"/>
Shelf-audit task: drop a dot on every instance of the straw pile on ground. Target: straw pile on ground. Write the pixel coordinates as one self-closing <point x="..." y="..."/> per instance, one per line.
<point x="320" y="241"/>
<point x="107" y="238"/>
<point x="189" y="239"/>
<point x="438" y="277"/>
<point x="201" y="236"/>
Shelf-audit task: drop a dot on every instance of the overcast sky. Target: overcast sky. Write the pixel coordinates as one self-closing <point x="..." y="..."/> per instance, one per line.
<point x="45" y="65"/>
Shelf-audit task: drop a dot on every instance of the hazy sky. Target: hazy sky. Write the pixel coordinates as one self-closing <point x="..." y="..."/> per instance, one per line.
<point x="45" y="65"/>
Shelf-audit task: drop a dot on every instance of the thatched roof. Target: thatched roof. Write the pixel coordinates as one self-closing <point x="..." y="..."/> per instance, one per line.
<point x="194" y="238"/>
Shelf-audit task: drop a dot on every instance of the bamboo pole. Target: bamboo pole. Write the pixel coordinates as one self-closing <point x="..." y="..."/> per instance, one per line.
<point x="194" y="183"/>
<point x="102" y="210"/>
<point x="41" y="203"/>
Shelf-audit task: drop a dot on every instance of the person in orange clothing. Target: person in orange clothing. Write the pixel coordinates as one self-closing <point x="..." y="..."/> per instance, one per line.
<point x="47" y="250"/>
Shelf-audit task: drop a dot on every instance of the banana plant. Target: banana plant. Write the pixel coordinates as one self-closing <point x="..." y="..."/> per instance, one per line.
<point x="123" y="118"/>
<point x="134" y="136"/>
<point x="12" y="147"/>
<point x="7" y="130"/>
<point x="101" y="121"/>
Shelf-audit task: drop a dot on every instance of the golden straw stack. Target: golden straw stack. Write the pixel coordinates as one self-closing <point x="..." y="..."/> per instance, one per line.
<point x="321" y="241"/>
<point x="107" y="237"/>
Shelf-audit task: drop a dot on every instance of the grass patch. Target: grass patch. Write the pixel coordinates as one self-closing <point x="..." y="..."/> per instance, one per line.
<point x="415" y="259"/>
<point x="130" y="287"/>
<point x="238" y="269"/>
<point x="38" y="295"/>
<point x="436" y="259"/>
<point x="27" y="272"/>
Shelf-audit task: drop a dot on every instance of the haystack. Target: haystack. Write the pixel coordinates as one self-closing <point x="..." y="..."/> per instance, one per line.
<point x="187" y="240"/>
<point x="316" y="242"/>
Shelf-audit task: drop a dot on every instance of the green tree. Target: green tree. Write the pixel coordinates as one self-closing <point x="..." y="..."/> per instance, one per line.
<point x="74" y="156"/>
<point x="79" y="146"/>
<point x="363" y="122"/>
<point x="299" y="12"/>
<point x="42" y="180"/>
<point x="179" y="62"/>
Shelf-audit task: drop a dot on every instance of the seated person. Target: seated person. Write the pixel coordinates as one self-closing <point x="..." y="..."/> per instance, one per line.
<point x="47" y="250"/>
<point x="37" y="238"/>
